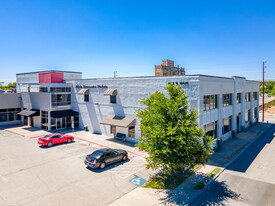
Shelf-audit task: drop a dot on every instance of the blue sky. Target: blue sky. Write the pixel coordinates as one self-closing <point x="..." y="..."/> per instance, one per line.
<point x="98" y="37"/>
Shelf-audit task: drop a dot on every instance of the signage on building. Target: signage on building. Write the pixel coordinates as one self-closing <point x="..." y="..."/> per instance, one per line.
<point x="91" y="86"/>
<point x="177" y="83"/>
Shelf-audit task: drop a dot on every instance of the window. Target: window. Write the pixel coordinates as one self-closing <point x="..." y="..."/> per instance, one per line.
<point x="239" y="98"/>
<point x="60" y="89"/>
<point x="226" y="125"/>
<point x="247" y="96"/>
<point x="113" y="99"/>
<point x="44" y="120"/>
<point x="3" y="115"/>
<point x="255" y="95"/>
<point x="247" y="116"/>
<point x="9" y="114"/>
<point x="227" y="100"/>
<point x="113" y="129"/>
<point x="255" y="113"/>
<point x="43" y="89"/>
<point x="86" y="97"/>
<point x="210" y="102"/>
<point x="211" y="129"/>
<point x="132" y="131"/>
<point x="61" y="99"/>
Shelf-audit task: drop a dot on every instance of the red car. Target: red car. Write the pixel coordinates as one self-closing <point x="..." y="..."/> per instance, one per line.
<point x="51" y="139"/>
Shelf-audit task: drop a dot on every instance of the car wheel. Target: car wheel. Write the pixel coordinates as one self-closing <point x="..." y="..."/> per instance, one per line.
<point x="50" y="144"/>
<point x="102" y="165"/>
<point x="69" y="140"/>
<point x="124" y="158"/>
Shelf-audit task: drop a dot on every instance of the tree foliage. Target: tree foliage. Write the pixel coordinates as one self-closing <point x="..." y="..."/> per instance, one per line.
<point x="269" y="88"/>
<point x="8" y="87"/>
<point x="171" y="134"/>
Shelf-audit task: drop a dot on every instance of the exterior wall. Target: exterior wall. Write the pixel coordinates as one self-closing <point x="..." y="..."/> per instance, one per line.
<point x="130" y="91"/>
<point x="36" y="100"/>
<point x="51" y="77"/>
<point x="10" y="100"/>
<point x="72" y="75"/>
<point x="219" y="86"/>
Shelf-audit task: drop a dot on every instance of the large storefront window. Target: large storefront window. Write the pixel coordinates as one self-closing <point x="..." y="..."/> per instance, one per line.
<point x="227" y="124"/>
<point x="60" y="89"/>
<point x="9" y="115"/>
<point x="61" y="99"/>
<point x="211" y="129"/>
<point x="44" y="120"/>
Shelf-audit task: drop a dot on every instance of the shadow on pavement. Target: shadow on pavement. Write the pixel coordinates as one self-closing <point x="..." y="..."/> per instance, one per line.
<point x="108" y="167"/>
<point x="215" y="194"/>
<point x="127" y="143"/>
<point x="242" y="163"/>
<point x="55" y="145"/>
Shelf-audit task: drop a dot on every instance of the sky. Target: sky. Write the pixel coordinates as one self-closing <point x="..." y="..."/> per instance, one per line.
<point x="98" y="37"/>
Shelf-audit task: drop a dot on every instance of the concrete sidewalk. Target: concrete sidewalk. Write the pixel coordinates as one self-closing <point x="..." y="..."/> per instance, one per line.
<point x="185" y="193"/>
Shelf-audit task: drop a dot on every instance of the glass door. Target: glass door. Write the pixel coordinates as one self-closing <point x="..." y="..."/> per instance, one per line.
<point x="58" y="123"/>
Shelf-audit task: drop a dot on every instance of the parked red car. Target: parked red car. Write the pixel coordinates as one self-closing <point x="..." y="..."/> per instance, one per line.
<point x="51" y="139"/>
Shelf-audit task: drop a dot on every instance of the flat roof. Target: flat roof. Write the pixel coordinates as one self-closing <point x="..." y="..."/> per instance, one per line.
<point x="47" y="71"/>
<point x="175" y="76"/>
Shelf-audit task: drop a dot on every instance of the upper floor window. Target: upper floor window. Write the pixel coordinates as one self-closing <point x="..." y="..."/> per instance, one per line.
<point x="239" y="98"/>
<point x="113" y="99"/>
<point x="247" y="96"/>
<point x="227" y="100"/>
<point x="61" y="99"/>
<point x="43" y="89"/>
<point x="60" y="89"/>
<point x="255" y="95"/>
<point x="210" y="102"/>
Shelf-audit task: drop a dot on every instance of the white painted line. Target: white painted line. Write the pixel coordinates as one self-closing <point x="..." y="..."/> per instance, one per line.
<point x="4" y="178"/>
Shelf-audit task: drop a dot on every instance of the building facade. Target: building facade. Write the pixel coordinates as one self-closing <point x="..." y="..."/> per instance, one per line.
<point x="107" y="105"/>
<point x="167" y="68"/>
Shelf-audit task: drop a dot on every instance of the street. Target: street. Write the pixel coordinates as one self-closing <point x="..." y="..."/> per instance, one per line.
<point x="34" y="175"/>
<point x="249" y="180"/>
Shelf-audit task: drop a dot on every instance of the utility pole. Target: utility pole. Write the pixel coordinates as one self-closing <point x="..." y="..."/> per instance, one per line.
<point x="263" y="92"/>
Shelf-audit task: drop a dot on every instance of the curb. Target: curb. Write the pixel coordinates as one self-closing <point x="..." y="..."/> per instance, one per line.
<point x="231" y="161"/>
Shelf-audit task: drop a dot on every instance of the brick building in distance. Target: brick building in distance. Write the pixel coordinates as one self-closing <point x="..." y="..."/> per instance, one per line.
<point x="167" y="68"/>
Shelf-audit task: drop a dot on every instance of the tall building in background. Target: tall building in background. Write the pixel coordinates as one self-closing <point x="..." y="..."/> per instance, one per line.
<point x="167" y="68"/>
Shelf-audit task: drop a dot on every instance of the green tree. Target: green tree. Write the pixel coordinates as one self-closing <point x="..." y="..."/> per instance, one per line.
<point x="171" y="134"/>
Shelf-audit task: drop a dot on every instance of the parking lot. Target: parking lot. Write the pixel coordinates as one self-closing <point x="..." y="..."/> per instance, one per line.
<point x="34" y="175"/>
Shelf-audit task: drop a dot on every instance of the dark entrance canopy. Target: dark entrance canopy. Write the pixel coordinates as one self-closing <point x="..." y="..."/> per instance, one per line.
<point x="63" y="113"/>
<point x="29" y="113"/>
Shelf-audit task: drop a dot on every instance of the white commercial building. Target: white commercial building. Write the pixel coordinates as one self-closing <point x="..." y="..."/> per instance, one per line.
<point x="107" y="105"/>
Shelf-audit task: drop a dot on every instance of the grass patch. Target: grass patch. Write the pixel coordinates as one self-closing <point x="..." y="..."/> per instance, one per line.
<point x="200" y="186"/>
<point x="214" y="172"/>
<point x="166" y="181"/>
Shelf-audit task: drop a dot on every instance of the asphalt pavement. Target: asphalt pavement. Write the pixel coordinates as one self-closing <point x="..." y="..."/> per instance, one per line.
<point x="249" y="180"/>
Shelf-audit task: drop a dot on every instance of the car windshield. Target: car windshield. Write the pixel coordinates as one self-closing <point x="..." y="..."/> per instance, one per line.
<point x="96" y="154"/>
<point x="47" y="136"/>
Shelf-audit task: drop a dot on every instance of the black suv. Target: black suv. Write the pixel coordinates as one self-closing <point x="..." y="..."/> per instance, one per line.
<point x="102" y="157"/>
